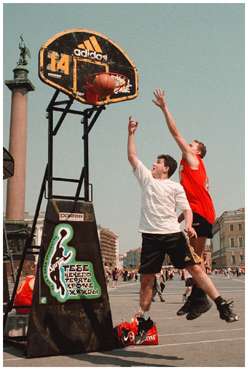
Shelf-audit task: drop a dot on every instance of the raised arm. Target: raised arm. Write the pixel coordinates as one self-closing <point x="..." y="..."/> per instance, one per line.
<point x="131" y="147"/>
<point x="183" y="145"/>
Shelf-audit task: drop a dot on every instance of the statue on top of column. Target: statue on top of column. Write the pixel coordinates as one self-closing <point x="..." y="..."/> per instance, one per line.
<point x="24" y="52"/>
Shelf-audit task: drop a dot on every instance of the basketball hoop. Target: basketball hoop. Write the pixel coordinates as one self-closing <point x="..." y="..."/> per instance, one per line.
<point x="100" y="86"/>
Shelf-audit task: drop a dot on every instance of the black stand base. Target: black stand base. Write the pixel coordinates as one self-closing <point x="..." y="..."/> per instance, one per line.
<point x="70" y="312"/>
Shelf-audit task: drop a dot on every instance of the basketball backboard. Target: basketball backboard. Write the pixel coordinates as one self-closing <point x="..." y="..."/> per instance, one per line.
<point x="70" y="58"/>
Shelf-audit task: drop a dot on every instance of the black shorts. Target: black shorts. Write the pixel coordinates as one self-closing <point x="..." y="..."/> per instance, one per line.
<point x="202" y="226"/>
<point x="155" y="246"/>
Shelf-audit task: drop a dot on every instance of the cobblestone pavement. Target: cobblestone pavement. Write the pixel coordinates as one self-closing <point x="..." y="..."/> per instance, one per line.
<point x="204" y="342"/>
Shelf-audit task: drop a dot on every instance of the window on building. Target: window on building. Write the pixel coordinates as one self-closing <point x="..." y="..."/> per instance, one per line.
<point x="231" y="227"/>
<point x="240" y="227"/>
<point x="233" y="260"/>
<point x="231" y="242"/>
<point x="241" y="258"/>
<point x="240" y="241"/>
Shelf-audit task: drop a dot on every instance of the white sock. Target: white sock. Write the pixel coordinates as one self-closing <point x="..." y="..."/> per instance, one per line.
<point x="144" y="314"/>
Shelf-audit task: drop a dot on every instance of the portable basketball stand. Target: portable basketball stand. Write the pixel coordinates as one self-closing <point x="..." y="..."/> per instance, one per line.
<point x="96" y="334"/>
<point x="70" y="308"/>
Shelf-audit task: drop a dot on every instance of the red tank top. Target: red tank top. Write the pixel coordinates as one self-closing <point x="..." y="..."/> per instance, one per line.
<point x="24" y="295"/>
<point x="194" y="184"/>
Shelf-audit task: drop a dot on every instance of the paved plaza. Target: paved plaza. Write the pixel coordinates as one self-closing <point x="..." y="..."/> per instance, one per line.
<point x="204" y="342"/>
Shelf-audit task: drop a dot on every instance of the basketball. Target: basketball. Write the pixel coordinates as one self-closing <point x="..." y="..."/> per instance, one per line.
<point x="104" y="84"/>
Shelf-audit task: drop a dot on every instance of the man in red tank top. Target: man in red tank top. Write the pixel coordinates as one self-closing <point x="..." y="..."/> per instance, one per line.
<point x="194" y="180"/>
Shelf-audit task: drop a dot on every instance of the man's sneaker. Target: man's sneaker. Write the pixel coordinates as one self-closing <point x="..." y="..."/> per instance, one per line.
<point x="226" y="313"/>
<point x="197" y="308"/>
<point x="143" y="327"/>
<point x="185" y="308"/>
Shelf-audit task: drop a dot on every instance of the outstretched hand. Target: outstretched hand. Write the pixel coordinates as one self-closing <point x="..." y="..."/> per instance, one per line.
<point x="159" y="98"/>
<point x="132" y="125"/>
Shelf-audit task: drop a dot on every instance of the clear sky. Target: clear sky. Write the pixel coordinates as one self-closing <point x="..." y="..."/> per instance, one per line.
<point x="193" y="51"/>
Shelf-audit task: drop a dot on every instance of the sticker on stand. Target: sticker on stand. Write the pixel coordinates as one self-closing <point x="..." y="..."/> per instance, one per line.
<point x="67" y="278"/>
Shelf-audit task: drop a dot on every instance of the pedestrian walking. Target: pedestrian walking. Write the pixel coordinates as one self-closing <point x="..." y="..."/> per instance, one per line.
<point x="188" y="285"/>
<point x="157" y="287"/>
<point x="115" y="275"/>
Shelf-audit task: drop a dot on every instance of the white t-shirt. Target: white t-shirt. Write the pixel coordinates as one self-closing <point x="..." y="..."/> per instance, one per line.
<point x="159" y="201"/>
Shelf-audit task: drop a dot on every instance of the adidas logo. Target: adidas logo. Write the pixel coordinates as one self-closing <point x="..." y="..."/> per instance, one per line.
<point x="91" y="49"/>
<point x="91" y="45"/>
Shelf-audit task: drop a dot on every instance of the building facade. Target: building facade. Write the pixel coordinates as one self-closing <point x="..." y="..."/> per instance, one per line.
<point x="132" y="259"/>
<point x="109" y="244"/>
<point x="121" y="260"/>
<point x="228" y="243"/>
<point x="16" y="235"/>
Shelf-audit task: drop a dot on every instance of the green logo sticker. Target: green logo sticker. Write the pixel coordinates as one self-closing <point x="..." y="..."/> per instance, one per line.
<point x="67" y="278"/>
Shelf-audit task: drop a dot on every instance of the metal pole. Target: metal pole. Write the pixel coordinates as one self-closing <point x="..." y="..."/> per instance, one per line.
<point x="9" y="253"/>
<point x="50" y="154"/>
<point x="86" y="158"/>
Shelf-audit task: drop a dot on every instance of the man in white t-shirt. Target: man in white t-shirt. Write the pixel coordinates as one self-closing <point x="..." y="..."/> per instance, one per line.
<point x="161" y="231"/>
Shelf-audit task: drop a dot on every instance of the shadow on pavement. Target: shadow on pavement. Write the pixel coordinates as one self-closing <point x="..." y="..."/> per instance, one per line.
<point x="114" y="358"/>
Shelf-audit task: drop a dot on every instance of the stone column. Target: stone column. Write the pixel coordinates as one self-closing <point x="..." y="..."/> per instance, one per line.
<point x="20" y="87"/>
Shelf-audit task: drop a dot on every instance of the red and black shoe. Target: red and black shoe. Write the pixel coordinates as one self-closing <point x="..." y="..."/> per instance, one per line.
<point x="143" y="327"/>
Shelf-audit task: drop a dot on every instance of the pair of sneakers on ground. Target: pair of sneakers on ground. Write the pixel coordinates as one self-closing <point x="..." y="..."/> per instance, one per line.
<point x="196" y="304"/>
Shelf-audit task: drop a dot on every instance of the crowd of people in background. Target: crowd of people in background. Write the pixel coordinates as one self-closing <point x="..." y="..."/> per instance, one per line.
<point x="113" y="275"/>
<point x="229" y="272"/>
